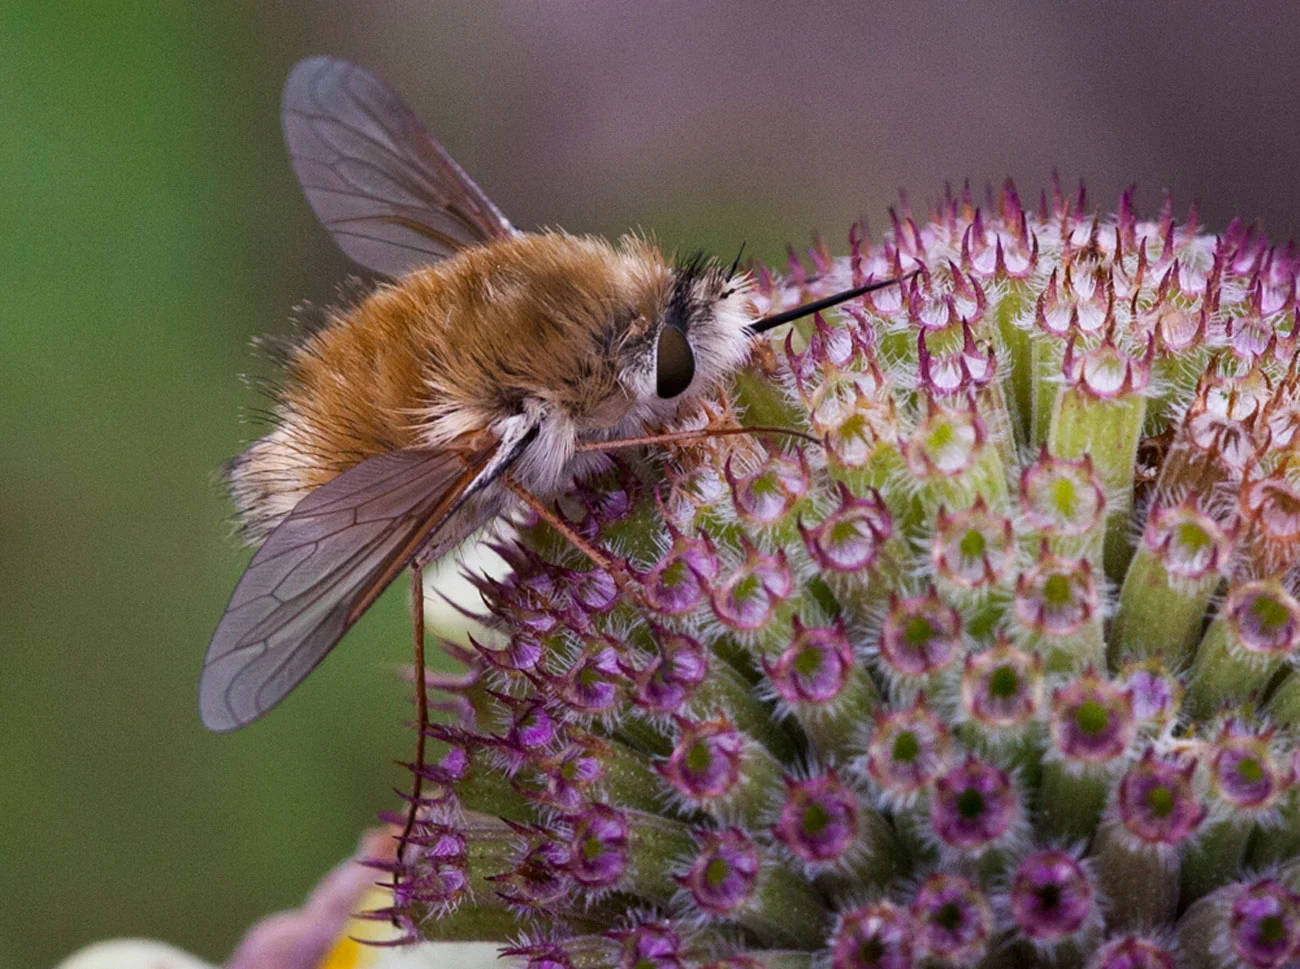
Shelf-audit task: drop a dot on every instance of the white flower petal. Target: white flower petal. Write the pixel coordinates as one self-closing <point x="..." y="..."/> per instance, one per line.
<point x="445" y="955"/>
<point x="134" y="954"/>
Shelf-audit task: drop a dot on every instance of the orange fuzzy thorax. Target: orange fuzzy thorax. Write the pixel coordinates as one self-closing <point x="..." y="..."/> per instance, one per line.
<point x="450" y="349"/>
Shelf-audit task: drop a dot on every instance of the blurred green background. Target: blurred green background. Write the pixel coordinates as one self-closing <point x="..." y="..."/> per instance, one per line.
<point x="149" y="226"/>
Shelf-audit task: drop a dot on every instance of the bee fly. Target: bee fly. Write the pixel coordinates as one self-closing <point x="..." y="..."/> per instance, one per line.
<point x="495" y="362"/>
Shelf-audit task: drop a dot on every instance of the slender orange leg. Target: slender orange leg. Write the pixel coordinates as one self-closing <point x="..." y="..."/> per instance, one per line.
<point x="599" y="558"/>
<point x="602" y="560"/>
<point x="421" y="712"/>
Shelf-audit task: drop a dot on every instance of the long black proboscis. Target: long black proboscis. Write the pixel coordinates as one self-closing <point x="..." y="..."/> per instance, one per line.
<point x="816" y="306"/>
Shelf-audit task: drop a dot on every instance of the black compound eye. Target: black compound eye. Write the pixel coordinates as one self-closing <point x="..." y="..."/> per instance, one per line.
<point x="675" y="364"/>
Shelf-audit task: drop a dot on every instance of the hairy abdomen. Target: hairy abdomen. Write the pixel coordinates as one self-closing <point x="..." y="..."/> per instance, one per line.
<point x="349" y="392"/>
<point x="446" y="351"/>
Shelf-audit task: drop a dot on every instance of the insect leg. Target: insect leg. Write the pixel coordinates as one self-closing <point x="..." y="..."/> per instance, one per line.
<point x="599" y="558"/>
<point x="421" y="714"/>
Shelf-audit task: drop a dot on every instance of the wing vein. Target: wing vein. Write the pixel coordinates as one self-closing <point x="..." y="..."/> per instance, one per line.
<point x="361" y="155"/>
<point x="325" y="564"/>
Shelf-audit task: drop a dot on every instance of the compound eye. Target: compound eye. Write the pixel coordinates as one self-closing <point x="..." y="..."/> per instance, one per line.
<point x="675" y="363"/>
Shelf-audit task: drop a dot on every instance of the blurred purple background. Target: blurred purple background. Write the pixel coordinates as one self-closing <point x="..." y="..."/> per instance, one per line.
<point x="764" y="119"/>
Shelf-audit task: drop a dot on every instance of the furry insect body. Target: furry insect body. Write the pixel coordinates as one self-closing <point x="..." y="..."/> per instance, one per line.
<point x="555" y="327"/>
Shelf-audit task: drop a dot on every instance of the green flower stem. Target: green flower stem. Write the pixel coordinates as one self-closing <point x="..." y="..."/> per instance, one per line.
<point x="482" y="922"/>
<point x="485" y="789"/>
<point x="1142" y="885"/>
<point x="986" y="477"/>
<point x="1020" y="747"/>
<point x="636" y="537"/>
<point x="1223" y="673"/>
<point x="492" y="847"/>
<point x="1148" y="591"/>
<point x="775" y="959"/>
<point x="884" y="469"/>
<point x="1214" y="858"/>
<point x="835" y="733"/>
<point x="1047" y="355"/>
<point x="591" y="952"/>
<point x="1278" y="842"/>
<point x="912" y="836"/>
<point x="879" y="859"/>
<point x="631" y="780"/>
<point x="785" y="909"/>
<point x="862" y="596"/>
<point x="1071" y="802"/>
<point x="1073" y="651"/>
<point x="724" y="689"/>
<point x="1014" y="356"/>
<point x="639" y="733"/>
<point x="762" y="402"/>
<point x="655" y="848"/>
<point x="759" y="788"/>
<point x="1284" y="705"/>
<point x="1289" y="875"/>
<point x="1108" y="430"/>
<point x="1016" y="956"/>
<point x="1183" y="370"/>
<point x="1089" y="545"/>
<point x="1202" y="927"/>
<point x="982" y="609"/>
<point x="784" y="533"/>
<point x="991" y="402"/>
<point x="993" y="866"/>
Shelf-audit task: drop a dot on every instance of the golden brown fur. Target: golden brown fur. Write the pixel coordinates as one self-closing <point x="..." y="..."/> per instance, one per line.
<point x="449" y="348"/>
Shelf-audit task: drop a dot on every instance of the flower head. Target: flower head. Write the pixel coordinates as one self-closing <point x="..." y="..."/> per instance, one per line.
<point x="1004" y="666"/>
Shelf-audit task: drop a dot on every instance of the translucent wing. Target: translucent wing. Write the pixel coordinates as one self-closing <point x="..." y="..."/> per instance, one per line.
<point x="387" y="191"/>
<point x="323" y="566"/>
